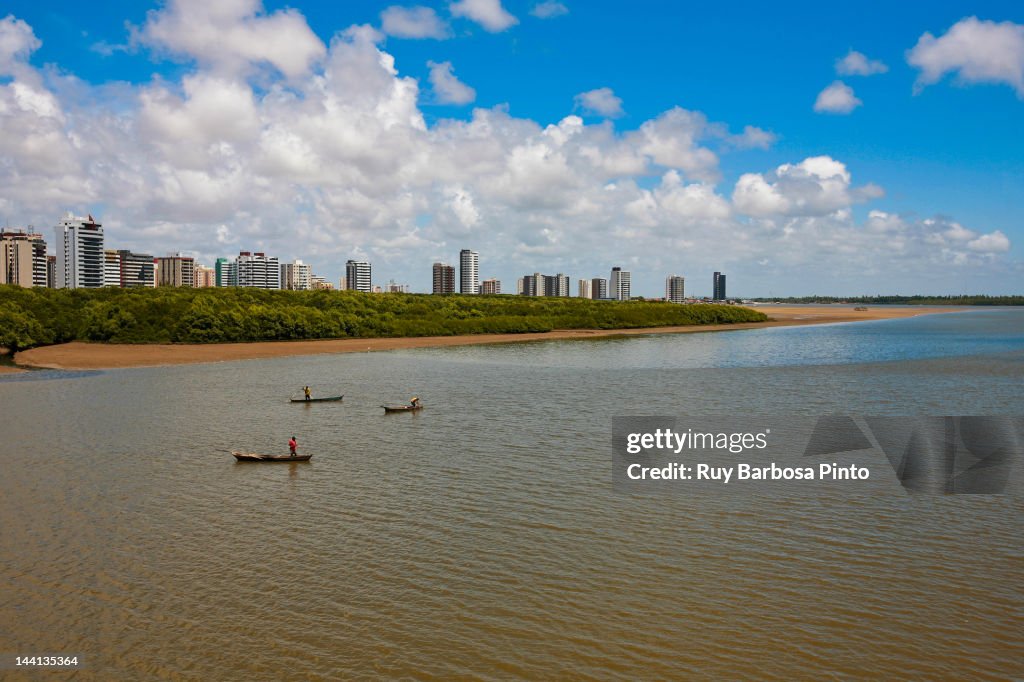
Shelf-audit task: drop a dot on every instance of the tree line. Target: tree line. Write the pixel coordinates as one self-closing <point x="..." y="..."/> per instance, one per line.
<point x="38" y="316"/>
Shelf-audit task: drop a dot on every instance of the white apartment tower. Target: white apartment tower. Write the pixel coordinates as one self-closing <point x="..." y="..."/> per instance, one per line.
<point x="675" y="289"/>
<point x="619" y="284"/>
<point x="358" y="276"/>
<point x="469" y="272"/>
<point x="79" y="253"/>
<point x="296" y="276"/>
<point x="258" y="271"/>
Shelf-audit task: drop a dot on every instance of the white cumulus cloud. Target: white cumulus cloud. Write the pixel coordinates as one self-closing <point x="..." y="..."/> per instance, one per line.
<point x="857" y="64"/>
<point x="977" y="51"/>
<point x="837" y="98"/>
<point x="549" y="10"/>
<point x="488" y="13"/>
<point x="601" y="101"/>
<point x="413" y="22"/>
<point x="447" y="88"/>
<point x="17" y="42"/>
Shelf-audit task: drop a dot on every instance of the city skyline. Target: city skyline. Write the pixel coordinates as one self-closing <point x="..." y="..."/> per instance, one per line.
<point x="872" y="160"/>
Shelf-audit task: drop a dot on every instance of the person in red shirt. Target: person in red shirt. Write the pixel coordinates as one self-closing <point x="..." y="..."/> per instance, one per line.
<point x="292" y="444"/>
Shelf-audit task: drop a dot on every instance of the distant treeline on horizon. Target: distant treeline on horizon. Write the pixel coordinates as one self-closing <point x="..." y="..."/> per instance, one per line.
<point x="976" y="299"/>
<point x="39" y="316"/>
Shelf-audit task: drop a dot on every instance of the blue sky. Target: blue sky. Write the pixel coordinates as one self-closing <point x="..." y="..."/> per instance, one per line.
<point x="927" y="195"/>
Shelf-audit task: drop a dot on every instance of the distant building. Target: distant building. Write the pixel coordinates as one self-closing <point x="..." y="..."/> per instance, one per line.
<point x="675" y="289"/>
<point x="258" y="271"/>
<point x="357" y="276"/>
<point x="111" y="268"/>
<point x="175" y="271"/>
<point x="619" y="284"/>
<point x="469" y="272"/>
<point x="225" y="273"/>
<point x="51" y="272"/>
<point x="79" y="253"/>
<point x="584" y="288"/>
<point x="599" y="288"/>
<point x="137" y="269"/>
<point x="205" y="277"/>
<point x="22" y="259"/>
<point x="533" y="285"/>
<point x="490" y="286"/>
<point x="318" y="283"/>
<point x="296" y="276"/>
<point x="718" y="287"/>
<point x="444" y="278"/>
<point x="393" y="287"/>
<point x="556" y="285"/>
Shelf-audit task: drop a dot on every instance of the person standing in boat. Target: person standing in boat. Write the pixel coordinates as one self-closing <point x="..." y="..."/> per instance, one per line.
<point x="307" y="392"/>
<point x="292" y="444"/>
<point x="414" y="403"/>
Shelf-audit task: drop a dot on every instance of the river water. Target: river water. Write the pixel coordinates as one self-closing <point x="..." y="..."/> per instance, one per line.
<point x="481" y="537"/>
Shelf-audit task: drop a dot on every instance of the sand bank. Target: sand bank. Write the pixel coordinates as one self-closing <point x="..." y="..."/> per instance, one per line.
<point x="77" y="355"/>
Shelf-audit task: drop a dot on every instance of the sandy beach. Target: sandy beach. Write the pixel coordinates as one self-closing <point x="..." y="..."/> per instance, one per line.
<point x="78" y="355"/>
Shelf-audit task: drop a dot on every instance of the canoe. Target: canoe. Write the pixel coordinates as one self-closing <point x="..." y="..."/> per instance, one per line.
<point x="254" y="457"/>
<point x="401" y="408"/>
<point x="329" y="399"/>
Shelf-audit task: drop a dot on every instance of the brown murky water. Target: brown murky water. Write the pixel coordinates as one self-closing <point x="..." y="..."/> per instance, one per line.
<point x="480" y="538"/>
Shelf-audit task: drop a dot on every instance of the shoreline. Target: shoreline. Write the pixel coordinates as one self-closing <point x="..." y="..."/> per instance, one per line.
<point x="78" y="355"/>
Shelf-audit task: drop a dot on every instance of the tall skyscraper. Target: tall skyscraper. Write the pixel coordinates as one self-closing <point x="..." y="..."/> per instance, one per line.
<point x="675" y="289"/>
<point x="490" y="286"/>
<point x="718" y="287"/>
<point x="79" y="253"/>
<point x="175" y="271"/>
<point x="225" y="273"/>
<point x="137" y="269"/>
<point x="258" y="271"/>
<point x="22" y="259"/>
<point x="296" y="276"/>
<point x="51" y="272"/>
<point x="357" y="276"/>
<point x="111" y="268"/>
<point x="599" y="288"/>
<point x="469" y="272"/>
<point x="585" y="287"/>
<point x="619" y="284"/>
<point x="444" y="278"/>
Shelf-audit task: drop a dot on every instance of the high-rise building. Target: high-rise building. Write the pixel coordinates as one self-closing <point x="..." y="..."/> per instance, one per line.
<point x="357" y="276"/>
<point x="137" y="269"/>
<point x="469" y="272"/>
<point x="51" y="272"/>
<point x="555" y="285"/>
<point x="444" y="278"/>
<point x="296" y="276"/>
<point x="175" y="271"/>
<point x="79" y="253"/>
<point x="619" y="284"/>
<point x="111" y="268"/>
<point x="258" y="271"/>
<point x="490" y="286"/>
<point x="205" y="277"/>
<point x="22" y="259"/>
<point x="718" y="287"/>
<point x="584" y="288"/>
<point x="675" y="289"/>
<point x="533" y="285"/>
<point x="599" y="288"/>
<point x="225" y="273"/>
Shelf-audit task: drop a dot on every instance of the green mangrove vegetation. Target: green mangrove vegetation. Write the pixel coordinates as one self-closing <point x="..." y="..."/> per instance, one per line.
<point x="37" y="317"/>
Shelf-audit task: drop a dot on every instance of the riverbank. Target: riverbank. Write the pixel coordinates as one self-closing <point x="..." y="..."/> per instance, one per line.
<point x="77" y="355"/>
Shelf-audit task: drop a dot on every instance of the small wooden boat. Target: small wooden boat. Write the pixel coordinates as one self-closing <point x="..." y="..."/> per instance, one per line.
<point x="401" y="408"/>
<point x="254" y="457"/>
<point x="329" y="399"/>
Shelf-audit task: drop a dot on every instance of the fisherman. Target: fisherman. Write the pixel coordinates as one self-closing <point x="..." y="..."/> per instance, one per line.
<point x="414" y="403"/>
<point x="307" y="392"/>
<point x="292" y="444"/>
